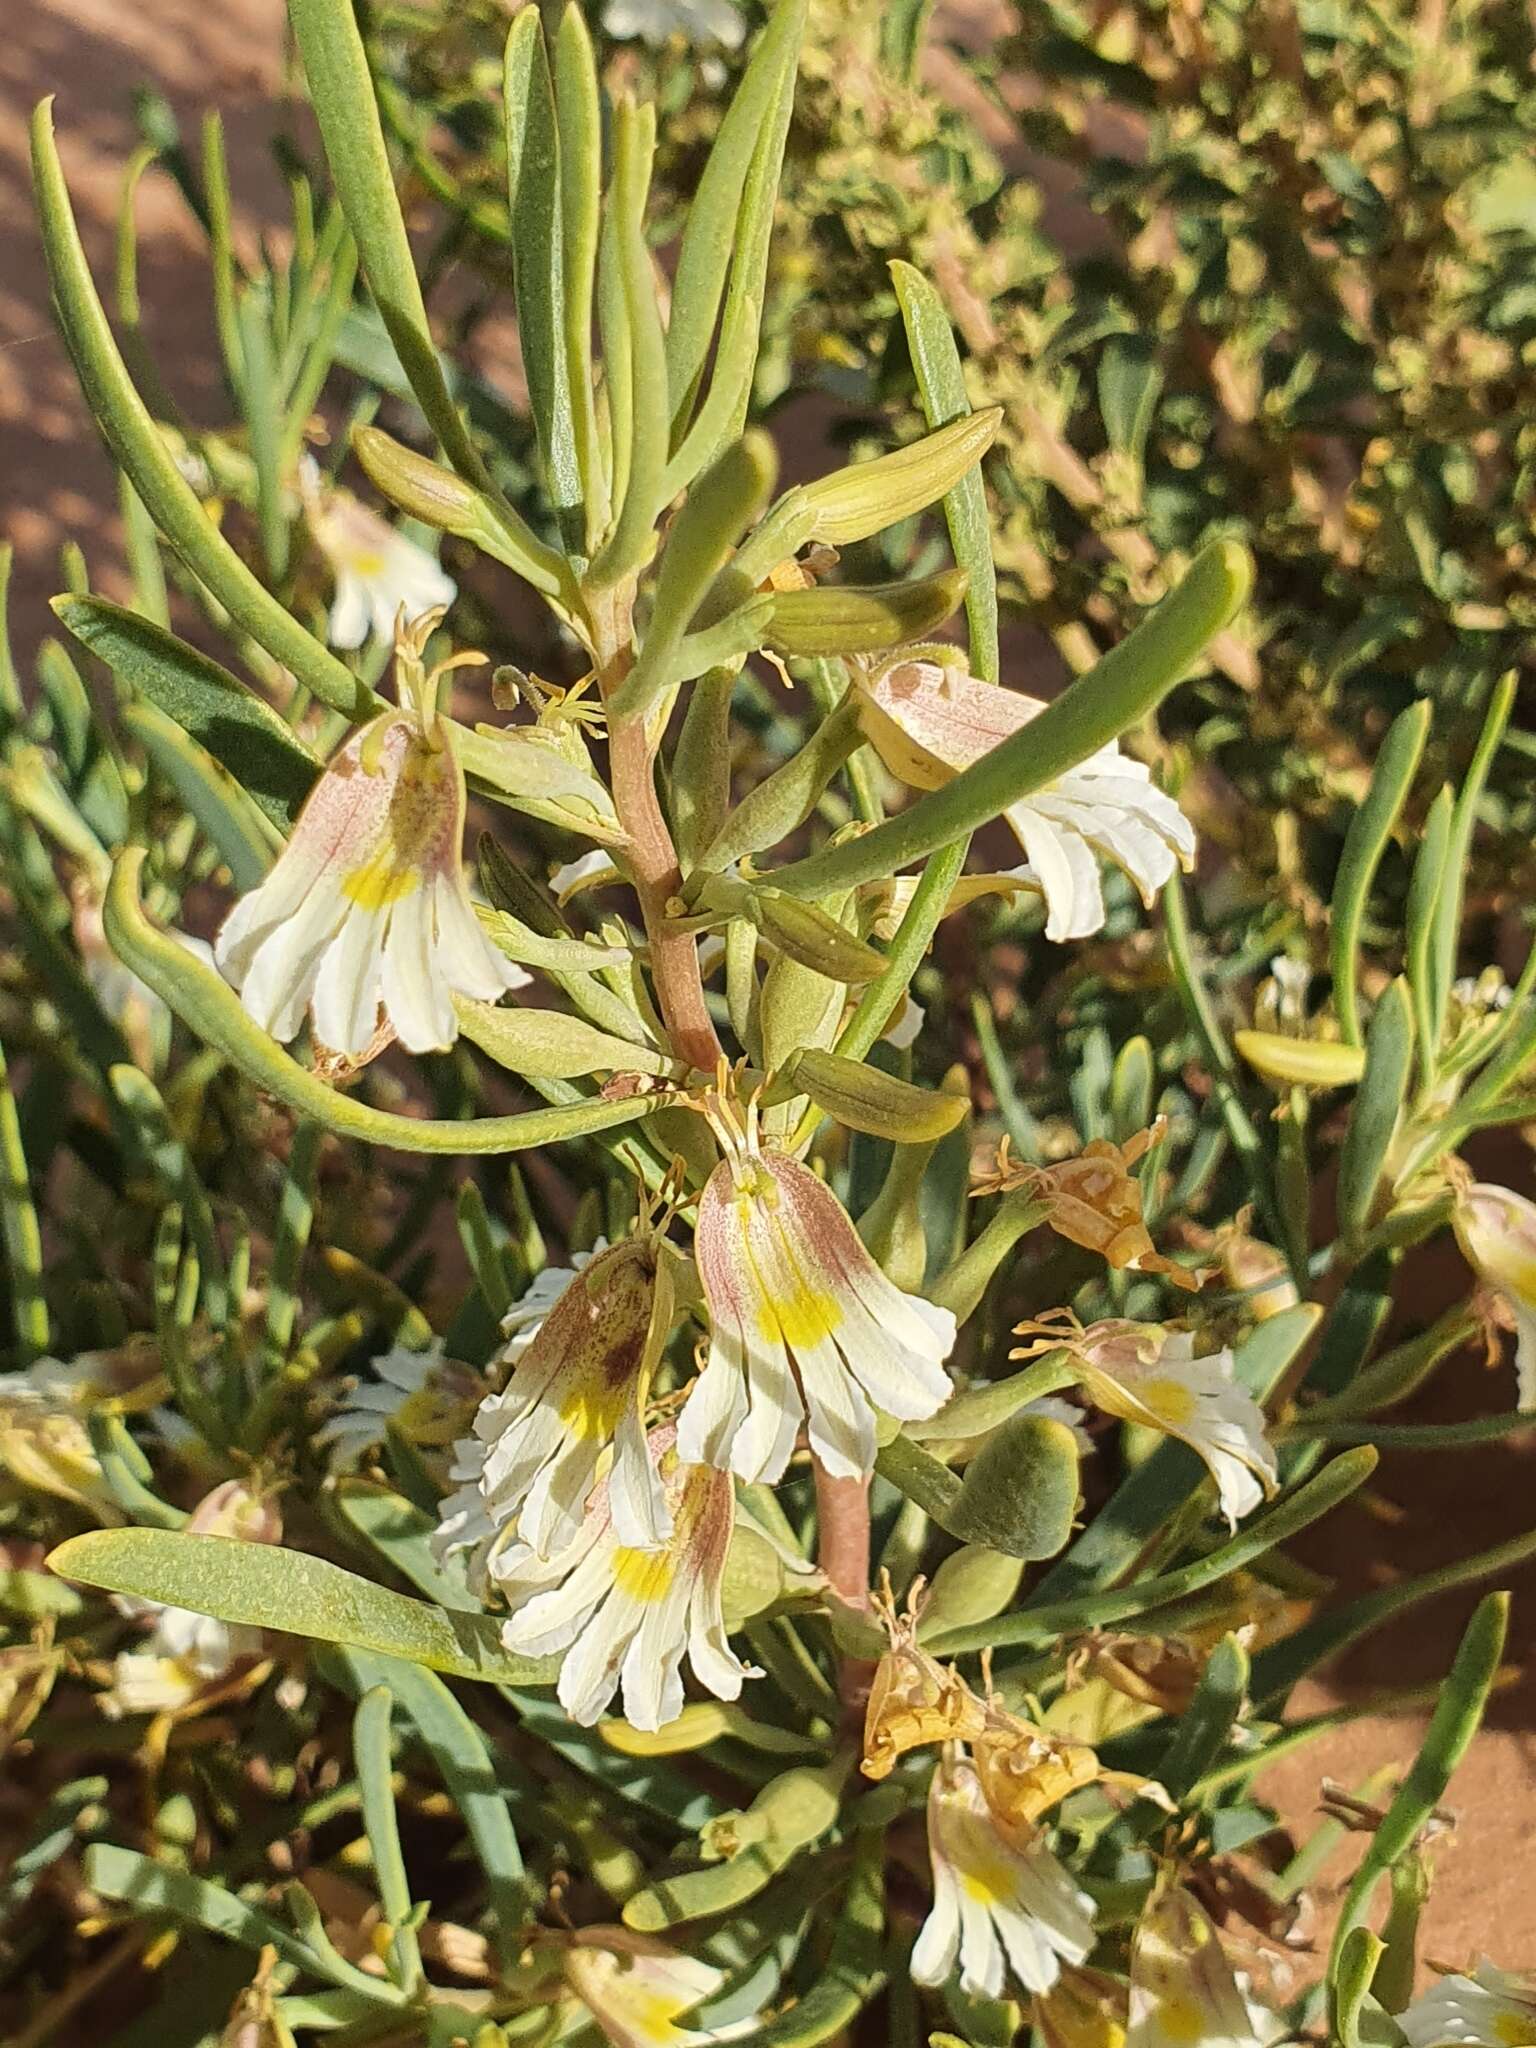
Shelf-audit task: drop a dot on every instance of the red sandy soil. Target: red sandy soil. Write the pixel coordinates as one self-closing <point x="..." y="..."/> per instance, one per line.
<point x="57" y="486"/>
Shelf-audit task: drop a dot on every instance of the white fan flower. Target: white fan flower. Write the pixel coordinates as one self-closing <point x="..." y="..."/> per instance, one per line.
<point x="367" y="910"/>
<point x="1002" y="1906"/>
<point x="804" y="1326"/>
<point x="625" y="1617"/>
<point x="928" y="720"/>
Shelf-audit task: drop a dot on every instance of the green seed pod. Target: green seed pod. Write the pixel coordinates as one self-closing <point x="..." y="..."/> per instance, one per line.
<point x="851" y="618"/>
<point x="419" y="486"/>
<point x="853" y="503"/>
<point x="814" y="938"/>
<point x="865" y="1099"/>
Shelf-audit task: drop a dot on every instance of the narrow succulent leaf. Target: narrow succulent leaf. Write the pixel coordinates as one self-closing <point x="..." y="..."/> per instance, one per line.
<point x="149" y="1886"/>
<point x="20" y="1233"/>
<point x="1448" y="904"/>
<point x="538" y="255"/>
<point x="468" y="1771"/>
<point x="341" y="92"/>
<point x="264" y="1586"/>
<point x="711" y="234"/>
<point x="1425" y="884"/>
<point x="578" y="117"/>
<point x="782" y="801"/>
<point x="721" y="505"/>
<point x="630" y="541"/>
<point x="701" y="767"/>
<point x="1366" y="840"/>
<point x="213" y="1010"/>
<point x="371" y="1754"/>
<point x="1115" y="694"/>
<point x="1451" y="1728"/>
<point x="941" y="386"/>
<point x="136" y="444"/>
<point x="1377" y="1108"/>
<point x="229" y="818"/>
<point x="239" y="729"/>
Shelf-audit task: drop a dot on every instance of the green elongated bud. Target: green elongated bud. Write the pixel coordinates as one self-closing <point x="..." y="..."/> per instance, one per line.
<point x="1018" y="1495"/>
<point x="812" y="937"/>
<point x="425" y="489"/>
<point x="1378" y="1108"/>
<point x="866" y="1099"/>
<point x="1304" y="1062"/>
<point x="553" y="1046"/>
<point x="428" y="491"/>
<point x="892" y="1226"/>
<point x="851" y="618"/>
<point x="853" y="503"/>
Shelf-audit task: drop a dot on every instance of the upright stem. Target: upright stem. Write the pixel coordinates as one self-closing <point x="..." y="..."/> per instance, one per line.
<point x="651" y="855"/>
<point x="842" y="1551"/>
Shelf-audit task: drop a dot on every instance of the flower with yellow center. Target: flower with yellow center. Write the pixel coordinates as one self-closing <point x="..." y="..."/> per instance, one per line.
<point x="1002" y="1907"/>
<point x="423" y="1395"/>
<point x="1183" y="1993"/>
<point x="379" y="572"/>
<point x="623" y="1616"/>
<point x="637" y="1989"/>
<point x="1496" y="1230"/>
<point x="1148" y="1373"/>
<point x="1492" y="2008"/>
<point x="367" y="909"/>
<point x="803" y="1323"/>
<point x="928" y="720"/>
<point x="576" y="1394"/>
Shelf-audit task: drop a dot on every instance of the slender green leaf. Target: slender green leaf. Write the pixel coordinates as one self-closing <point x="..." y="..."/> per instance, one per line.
<point x="264" y="1586"/>
<point x="941" y="386"/>
<point x="341" y="93"/>
<point x="1369" y="830"/>
<point x="136" y="444"/>
<point x="1377" y="1108"/>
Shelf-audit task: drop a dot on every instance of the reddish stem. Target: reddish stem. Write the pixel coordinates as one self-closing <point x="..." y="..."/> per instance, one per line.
<point x="842" y="1551"/>
<point x="652" y="858"/>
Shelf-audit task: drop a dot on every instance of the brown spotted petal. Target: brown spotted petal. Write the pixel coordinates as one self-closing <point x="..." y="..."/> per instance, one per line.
<point x="577" y="1391"/>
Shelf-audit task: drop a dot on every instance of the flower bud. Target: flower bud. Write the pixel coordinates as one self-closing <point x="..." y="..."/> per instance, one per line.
<point x="848" y="618"/>
<point x="866" y="498"/>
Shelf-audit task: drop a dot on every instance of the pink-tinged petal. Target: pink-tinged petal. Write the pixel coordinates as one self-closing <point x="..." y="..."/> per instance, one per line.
<point x="636" y="1497"/>
<point x="716" y="1407"/>
<point x="928" y="721"/>
<point x="279" y="984"/>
